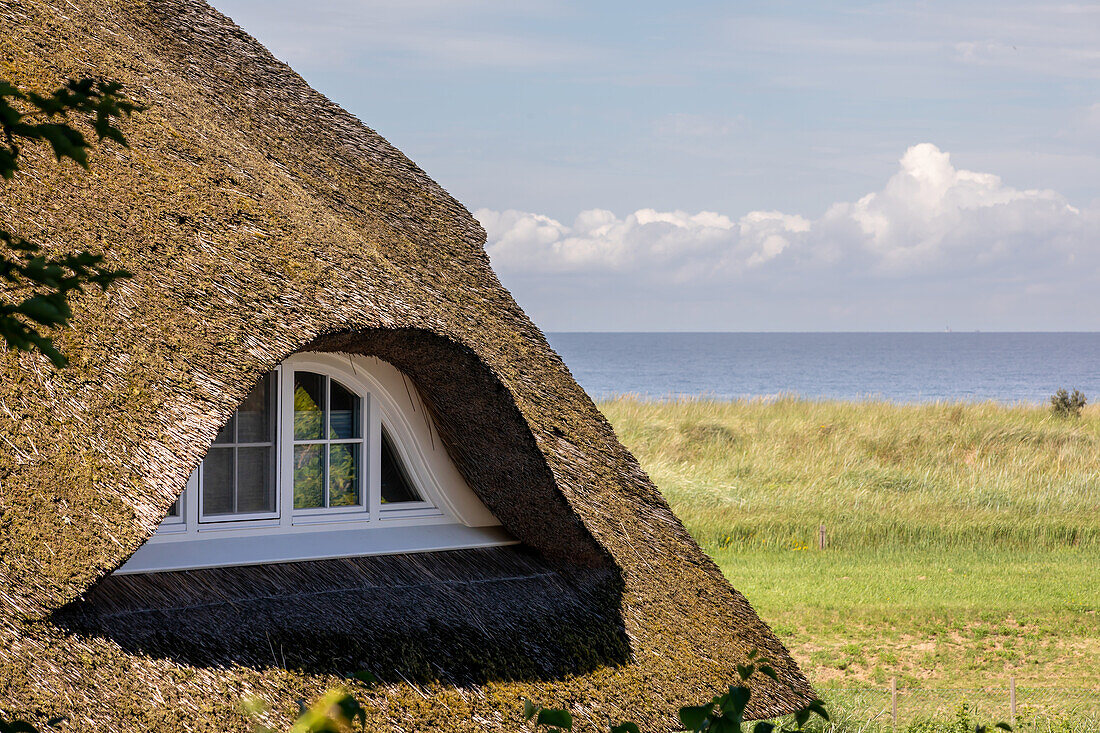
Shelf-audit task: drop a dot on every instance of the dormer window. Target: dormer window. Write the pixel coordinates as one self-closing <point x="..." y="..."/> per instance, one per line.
<point x="326" y="456"/>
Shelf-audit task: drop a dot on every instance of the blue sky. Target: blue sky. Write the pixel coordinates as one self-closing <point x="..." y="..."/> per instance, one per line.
<point x="753" y="135"/>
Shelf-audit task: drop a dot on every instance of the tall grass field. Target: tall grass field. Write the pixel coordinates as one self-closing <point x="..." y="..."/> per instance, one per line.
<point x="962" y="540"/>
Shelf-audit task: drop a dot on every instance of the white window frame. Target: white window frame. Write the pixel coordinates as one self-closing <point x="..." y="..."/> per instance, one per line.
<point x="450" y="516"/>
<point x="286" y="444"/>
<point x="198" y="498"/>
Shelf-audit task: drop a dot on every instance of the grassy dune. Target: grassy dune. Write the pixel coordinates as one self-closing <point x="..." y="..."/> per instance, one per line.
<point x="963" y="539"/>
<point x="754" y="474"/>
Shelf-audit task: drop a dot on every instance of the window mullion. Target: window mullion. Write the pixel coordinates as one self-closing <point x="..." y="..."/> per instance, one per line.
<point x="365" y="452"/>
<point x="273" y="439"/>
<point x="234" y="474"/>
<point x="191" y="501"/>
<point x="374" y="462"/>
<point x="284" y="438"/>
<point x="233" y="479"/>
<point x="324" y="475"/>
<point x="326" y="398"/>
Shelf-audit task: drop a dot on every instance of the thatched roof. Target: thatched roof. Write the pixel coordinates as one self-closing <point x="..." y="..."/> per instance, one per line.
<point x="462" y="617"/>
<point x="262" y="219"/>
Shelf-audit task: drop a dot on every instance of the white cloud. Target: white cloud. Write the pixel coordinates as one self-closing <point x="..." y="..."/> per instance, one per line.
<point x="932" y="214"/>
<point x="674" y="243"/>
<point x="930" y="218"/>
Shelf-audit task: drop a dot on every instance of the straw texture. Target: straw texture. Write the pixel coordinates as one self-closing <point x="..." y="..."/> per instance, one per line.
<point x="462" y="617"/>
<point x="261" y="220"/>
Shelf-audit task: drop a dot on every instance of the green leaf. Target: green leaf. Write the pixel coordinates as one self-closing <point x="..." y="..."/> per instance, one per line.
<point x="693" y="717"/>
<point x="42" y="309"/>
<point x="110" y="131"/>
<point x="625" y="728"/>
<point x="768" y="671"/>
<point x="351" y="709"/>
<point x="66" y="142"/>
<point x="555" y="717"/>
<point x="737" y="699"/>
<point x="52" y="280"/>
<point x="529" y="709"/>
<point x="725" y="724"/>
<point x="744" y="671"/>
<point x="1003" y="726"/>
<point x="818" y="707"/>
<point x="8" y="166"/>
<point x="365" y="677"/>
<point x="763" y="727"/>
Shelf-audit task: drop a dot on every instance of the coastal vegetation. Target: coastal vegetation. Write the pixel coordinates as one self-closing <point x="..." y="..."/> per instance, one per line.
<point x="962" y="541"/>
<point x="1064" y="404"/>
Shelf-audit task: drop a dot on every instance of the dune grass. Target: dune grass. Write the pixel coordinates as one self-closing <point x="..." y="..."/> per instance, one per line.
<point x="760" y="474"/>
<point x="963" y="540"/>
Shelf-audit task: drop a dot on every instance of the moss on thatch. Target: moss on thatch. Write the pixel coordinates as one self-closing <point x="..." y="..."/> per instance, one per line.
<point x="261" y="219"/>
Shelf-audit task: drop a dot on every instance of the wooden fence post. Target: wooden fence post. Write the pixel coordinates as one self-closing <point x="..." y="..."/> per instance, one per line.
<point x="821" y="537"/>
<point x="1012" y="697"/>
<point x="894" y="701"/>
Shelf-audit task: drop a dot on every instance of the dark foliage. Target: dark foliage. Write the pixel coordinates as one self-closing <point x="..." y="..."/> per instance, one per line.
<point x="725" y="713"/>
<point x="37" y="286"/>
<point x="1065" y="404"/>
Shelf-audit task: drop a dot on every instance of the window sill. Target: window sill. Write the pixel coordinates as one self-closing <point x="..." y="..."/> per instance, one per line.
<point x="262" y="549"/>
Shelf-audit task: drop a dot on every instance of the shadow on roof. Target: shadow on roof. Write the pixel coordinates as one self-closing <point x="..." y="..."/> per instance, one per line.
<point x="463" y="617"/>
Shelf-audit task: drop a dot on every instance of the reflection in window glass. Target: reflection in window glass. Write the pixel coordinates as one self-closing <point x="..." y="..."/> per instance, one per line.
<point x="329" y="474"/>
<point x="344" y="412"/>
<point x="217" y="481"/>
<point x="396" y="486"/>
<point x="309" y="406"/>
<point x="225" y="435"/>
<point x="174" y="510"/>
<point x="309" y="476"/>
<point x="238" y="475"/>
<point x="343" y="474"/>
<point x="253" y="417"/>
<point x="255" y="489"/>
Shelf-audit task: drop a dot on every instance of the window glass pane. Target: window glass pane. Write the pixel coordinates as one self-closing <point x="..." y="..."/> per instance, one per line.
<point x="309" y="403"/>
<point x="343" y="412"/>
<point x="225" y="435"/>
<point x="255" y="488"/>
<point x="254" y="421"/>
<point x="217" y="481"/>
<point x="396" y="486"/>
<point x="309" y="476"/>
<point x="343" y="474"/>
<point x="174" y="510"/>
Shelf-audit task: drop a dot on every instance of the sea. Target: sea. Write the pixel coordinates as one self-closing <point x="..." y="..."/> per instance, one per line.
<point x="897" y="367"/>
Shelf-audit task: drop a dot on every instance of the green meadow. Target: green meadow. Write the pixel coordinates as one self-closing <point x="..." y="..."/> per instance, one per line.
<point x="962" y="540"/>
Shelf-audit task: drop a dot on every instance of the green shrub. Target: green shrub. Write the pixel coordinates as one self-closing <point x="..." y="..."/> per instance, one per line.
<point x="1064" y="404"/>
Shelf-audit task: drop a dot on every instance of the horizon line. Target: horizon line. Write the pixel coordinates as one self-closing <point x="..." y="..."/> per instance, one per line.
<point x="946" y="333"/>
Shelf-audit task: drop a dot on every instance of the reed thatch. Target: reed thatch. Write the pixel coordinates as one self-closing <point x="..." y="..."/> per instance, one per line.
<point x="462" y="617"/>
<point x="261" y="220"/>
